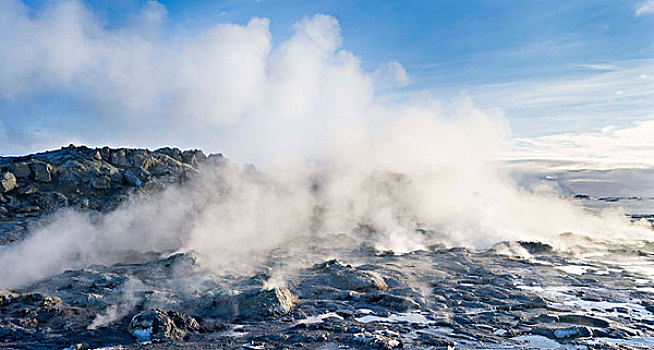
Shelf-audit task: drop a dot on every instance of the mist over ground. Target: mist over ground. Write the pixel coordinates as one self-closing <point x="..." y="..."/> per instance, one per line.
<point x="421" y="182"/>
<point x="336" y="156"/>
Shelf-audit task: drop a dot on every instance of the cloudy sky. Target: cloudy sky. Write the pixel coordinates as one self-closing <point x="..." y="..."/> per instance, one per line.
<point x="245" y="76"/>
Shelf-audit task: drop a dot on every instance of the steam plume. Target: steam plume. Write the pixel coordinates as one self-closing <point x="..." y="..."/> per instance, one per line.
<point x="338" y="160"/>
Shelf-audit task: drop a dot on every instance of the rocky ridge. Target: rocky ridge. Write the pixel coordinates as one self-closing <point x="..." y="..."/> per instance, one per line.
<point x="94" y="179"/>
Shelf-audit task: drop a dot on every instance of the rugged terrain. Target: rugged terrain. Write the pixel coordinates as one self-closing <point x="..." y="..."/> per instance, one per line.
<point x="84" y="178"/>
<point x="516" y="295"/>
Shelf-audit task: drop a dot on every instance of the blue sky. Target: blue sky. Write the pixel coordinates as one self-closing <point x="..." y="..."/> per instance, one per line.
<point x="443" y="43"/>
<point x="548" y="66"/>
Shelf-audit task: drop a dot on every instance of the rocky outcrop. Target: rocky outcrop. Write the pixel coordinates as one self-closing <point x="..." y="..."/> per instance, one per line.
<point x="25" y="316"/>
<point x="337" y="280"/>
<point x="96" y="179"/>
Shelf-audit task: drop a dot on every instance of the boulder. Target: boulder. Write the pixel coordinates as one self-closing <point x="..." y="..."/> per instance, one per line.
<point x="161" y="325"/>
<point x="42" y="171"/>
<point x="537" y="247"/>
<point x="135" y="176"/>
<point x="173" y="153"/>
<point x="184" y="263"/>
<point x="119" y="159"/>
<point x="584" y="320"/>
<point x="264" y="302"/>
<point x="102" y="183"/>
<point x="69" y="180"/>
<point x="143" y="161"/>
<point x="30" y="301"/>
<point x="334" y="274"/>
<point x="165" y="165"/>
<point x="22" y="170"/>
<point x="7" y="182"/>
<point x="116" y="177"/>
<point x="55" y="199"/>
<point x="252" y="303"/>
<point x="193" y="157"/>
<point x="392" y="302"/>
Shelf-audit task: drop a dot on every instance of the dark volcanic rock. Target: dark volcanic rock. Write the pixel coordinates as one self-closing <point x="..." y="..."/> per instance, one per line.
<point x="37" y="317"/>
<point x="265" y="302"/>
<point x="41" y="171"/>
<point x="474" y="310"/>
<point x="22" y="170"/>
<point x="251" y="304"/>
<point x="537" y="247"/>
<point x="98" y="179"/>
<point x="333" y="274"/>
<point x="158" y="325"/>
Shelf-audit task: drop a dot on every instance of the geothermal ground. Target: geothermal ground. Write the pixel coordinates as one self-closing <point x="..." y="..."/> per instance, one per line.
<point x="311" y="291"/>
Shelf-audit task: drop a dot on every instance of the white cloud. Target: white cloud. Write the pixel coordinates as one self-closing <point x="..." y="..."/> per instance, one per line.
<point x="575" y="102"/>
<point x="392" y="74"/>
<point x="609" y="148"/>
<point x="645" y="8"/>
<point x="598" y="66"/>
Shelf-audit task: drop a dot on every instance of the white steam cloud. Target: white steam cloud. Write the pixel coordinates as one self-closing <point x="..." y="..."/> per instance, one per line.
<point x="224" y="88"/>
<point x="377" y="172"/>
<point x="423" y="172"/>
<point x="610" y="148"/>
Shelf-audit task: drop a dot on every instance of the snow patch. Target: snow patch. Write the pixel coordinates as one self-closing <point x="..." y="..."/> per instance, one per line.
<point x="574" y="269"/>
<point x="320" y="318"/>
<point x="142" y="335"/>
<point x="540" y="342"/>
<point x="396" y="318"/>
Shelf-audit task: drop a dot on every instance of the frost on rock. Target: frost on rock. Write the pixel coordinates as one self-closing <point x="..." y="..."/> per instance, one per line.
<point x="142" y="335"/>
